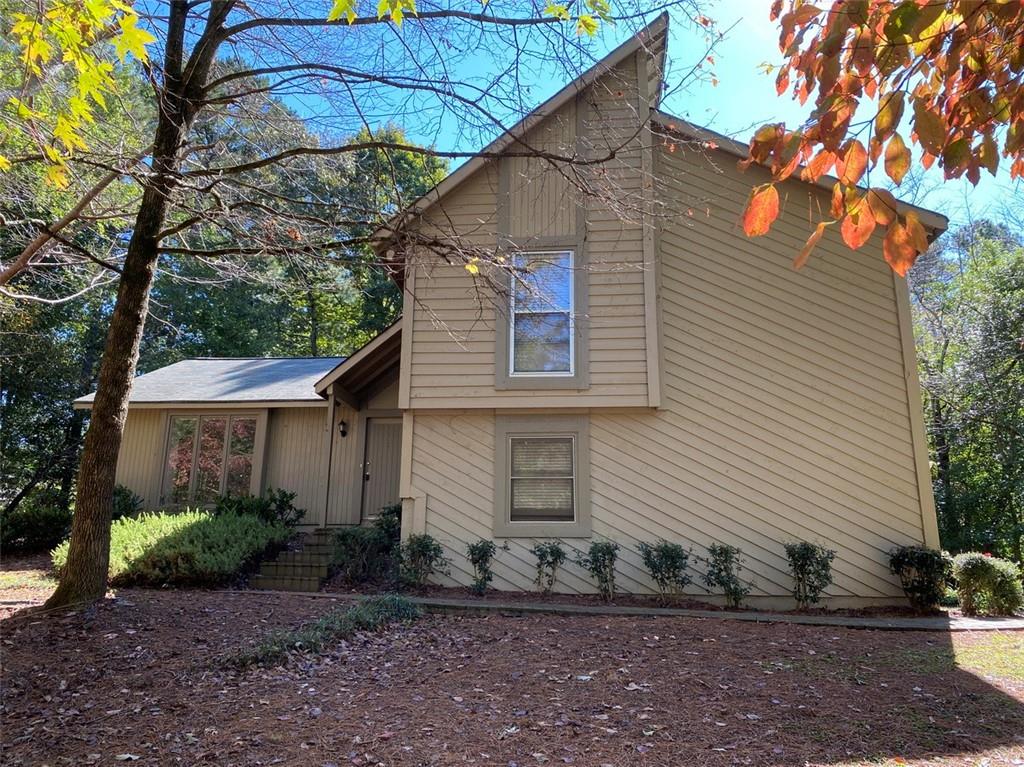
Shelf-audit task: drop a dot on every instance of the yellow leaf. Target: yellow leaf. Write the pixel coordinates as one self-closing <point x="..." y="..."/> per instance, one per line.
<point x="472" y="268"/>
<point x="57" y="176"/>
<point x="586" y="25"/>
<point x="343" y="8"/>
<point x="5" y="164"/>
<point x="132" y="40"/>
<point x="558" y="11"/>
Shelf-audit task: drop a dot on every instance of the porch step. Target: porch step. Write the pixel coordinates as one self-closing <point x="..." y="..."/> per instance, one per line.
<point x="302" y="570"/>
<point x="281" y="583"/>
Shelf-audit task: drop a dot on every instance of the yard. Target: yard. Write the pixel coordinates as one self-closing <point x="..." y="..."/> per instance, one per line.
<point x="139" y="679"/>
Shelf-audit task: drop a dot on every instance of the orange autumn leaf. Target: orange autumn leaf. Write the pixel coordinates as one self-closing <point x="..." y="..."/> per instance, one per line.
<point x="852" y="163"/>
<point x="883" y="206"/>
<point x="897" y="158"/>
<point x="762" y="210"/>
<point x="812" y="241"/>
<point x="898" y="250"/>
<point x="857" y="226"/>
<point x="918" y="236"/>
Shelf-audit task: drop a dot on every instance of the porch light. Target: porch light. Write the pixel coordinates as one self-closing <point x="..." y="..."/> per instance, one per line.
<point x="343" y="428"/>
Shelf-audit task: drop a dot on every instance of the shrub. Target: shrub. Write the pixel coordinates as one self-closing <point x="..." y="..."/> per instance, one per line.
<point x="126" y="503"/>
<point x="950" y="598"/>
<point x="724" y="564"/>
<point x="550" y="556"/>
<point x="987" y="584"/>
<point x="37" y="524"/>
<point x="371" y="615"/>
<point x="420" y="557"/>
<point x="668" y="564"/>
<point x="480" y="555"/>
<point x="369" y="553"/>
<point x="599" y="561"/>
<point x="276" y="505"/>
<point x="922" y="572"/>
<point x="811" y="566"/>
<point x="188" y="548"/>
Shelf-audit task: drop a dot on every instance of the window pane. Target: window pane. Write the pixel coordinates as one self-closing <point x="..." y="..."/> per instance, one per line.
<point x="243" y="439"/>
<point x="544" y="282"/>
<point x="211" y="458"/>
<point x="541" y="456"/>
<point x="180" y="448"/>
<point x="541" y="343"/>
<point x="545" y="500"/>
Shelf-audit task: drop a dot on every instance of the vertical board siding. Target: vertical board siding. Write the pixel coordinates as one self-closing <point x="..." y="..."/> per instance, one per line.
<point x="452" y="361"/>
<point x="346" y="475"/>
<point x="296" y="441"/>
<point x="140" y="458"/>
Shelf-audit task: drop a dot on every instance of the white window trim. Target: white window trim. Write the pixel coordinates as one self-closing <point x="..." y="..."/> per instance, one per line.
<point x="575" y="484"/>
<point x="571" y="372"/>
<point x="256" y="472"/>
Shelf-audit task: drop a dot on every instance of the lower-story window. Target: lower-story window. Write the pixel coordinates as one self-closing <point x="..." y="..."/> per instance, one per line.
<point x="542" y="476"/>
<point x="208" y="456"/>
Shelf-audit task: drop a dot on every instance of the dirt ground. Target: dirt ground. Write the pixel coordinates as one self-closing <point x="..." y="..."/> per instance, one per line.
<point x="137" y="679"/>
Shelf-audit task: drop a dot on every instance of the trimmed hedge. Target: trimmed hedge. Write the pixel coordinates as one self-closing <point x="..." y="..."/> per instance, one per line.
<point x="195" y="548"/>
<point x="987" y="584"/>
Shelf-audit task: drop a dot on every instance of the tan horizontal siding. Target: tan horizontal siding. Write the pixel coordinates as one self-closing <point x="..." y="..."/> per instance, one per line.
<point x="452" y="360"/>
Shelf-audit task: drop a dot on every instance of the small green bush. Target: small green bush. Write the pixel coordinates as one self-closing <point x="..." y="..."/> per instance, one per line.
<point x="370" y="615"/>
<point x="126" y="503"/>
<point x="276" y="505"/>
<point x="668" y="564"/>
<point x="550" y="556"/>
<point x="194" y="548"/>
<point x="950" y="598"/>
<point x="369" y="553"/>
<point x="987" y="584"/>
<point x="599" y="561"/>
<point x="724" y="564"/>
<point x="480" y="554"/>
<point x="811" y="566"/>
<point x="37" y="524"/>
<point x="420" y="557"/>
<point x="922" y="572"/>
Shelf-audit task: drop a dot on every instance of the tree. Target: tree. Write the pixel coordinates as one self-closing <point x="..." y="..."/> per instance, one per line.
<point x="351" y="65"/>
<point x="968" y="299"/>
<point x="952" y="69"/>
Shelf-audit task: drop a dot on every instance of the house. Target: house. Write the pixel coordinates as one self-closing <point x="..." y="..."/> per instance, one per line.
<point x="651" y="373"/>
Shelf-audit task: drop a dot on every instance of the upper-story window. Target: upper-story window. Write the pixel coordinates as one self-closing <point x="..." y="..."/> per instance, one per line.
<point x="541" y="337"/>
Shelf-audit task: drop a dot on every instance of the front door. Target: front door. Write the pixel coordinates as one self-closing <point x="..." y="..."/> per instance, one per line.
<point x="382" y="464"/>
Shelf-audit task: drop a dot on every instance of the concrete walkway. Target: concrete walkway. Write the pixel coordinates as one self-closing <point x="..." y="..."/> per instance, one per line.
<point x="482" y="607"/>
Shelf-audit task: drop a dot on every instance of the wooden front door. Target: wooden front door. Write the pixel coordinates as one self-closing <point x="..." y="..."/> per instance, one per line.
<point x="382" y="464"/>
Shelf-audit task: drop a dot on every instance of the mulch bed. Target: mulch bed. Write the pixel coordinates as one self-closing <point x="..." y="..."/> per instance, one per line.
<point x="339" y="586"/>
<point x="136" y="679"/>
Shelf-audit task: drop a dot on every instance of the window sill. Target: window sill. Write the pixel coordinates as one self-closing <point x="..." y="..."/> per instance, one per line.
<point x="578" y="529"/>
<point x="578" y="382"/>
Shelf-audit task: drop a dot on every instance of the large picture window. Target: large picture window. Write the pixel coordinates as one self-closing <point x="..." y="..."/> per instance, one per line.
<point x="208" y="456"/>
<point x="541" y="335"/>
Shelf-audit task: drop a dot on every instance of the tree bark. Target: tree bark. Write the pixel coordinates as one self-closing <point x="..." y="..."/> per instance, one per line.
<point x="84" y="578"/>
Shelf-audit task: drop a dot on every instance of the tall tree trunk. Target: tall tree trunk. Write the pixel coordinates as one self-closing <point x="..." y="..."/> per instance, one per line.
<point x="314" y="322"/>
<point x="85" y="575"/>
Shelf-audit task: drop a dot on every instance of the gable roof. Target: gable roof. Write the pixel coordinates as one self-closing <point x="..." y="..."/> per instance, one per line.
<point x="230" y="380"/>
<point x="653" y="38"/>
<point x="373" y="359"/>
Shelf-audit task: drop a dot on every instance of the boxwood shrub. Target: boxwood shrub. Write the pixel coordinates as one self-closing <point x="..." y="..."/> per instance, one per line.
<point x="987" y="584"/>
<point x="195" y="548"/>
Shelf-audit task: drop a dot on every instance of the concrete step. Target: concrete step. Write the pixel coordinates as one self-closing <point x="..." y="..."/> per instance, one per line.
<point x="303" y="558"/>
<point x="281" y="583"/>
<point x="284" y="569"/>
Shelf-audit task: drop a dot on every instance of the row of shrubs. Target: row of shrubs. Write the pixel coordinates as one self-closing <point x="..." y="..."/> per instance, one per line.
<point x="985" y="584"/>
<point x="196" y="547"/>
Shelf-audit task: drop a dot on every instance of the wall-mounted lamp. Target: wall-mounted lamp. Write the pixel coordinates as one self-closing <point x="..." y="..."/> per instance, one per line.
<point x="343" y="428"/>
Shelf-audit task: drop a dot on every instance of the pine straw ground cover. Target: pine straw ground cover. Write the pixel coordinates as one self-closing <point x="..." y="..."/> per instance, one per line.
<point x="140" y="679"/>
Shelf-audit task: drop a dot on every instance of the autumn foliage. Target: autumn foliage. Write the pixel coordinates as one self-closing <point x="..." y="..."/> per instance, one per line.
<point x="945" y="75"/>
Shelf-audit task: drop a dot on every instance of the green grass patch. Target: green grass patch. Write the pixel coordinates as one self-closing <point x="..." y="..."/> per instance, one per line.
<point x="26" y="579"/>
<point x="995" y="654"/>
<point x="370" y="615"/>
<point x="194" y="548"/>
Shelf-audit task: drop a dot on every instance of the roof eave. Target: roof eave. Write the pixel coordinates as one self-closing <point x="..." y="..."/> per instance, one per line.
<point x="932" y="220"/>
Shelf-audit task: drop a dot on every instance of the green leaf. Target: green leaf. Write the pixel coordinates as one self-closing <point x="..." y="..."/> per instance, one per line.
<point x="586" y="25"/>
<point x="558" y="11"/>
<point x="343" y="9"/>
<point x="132" y="41"/>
